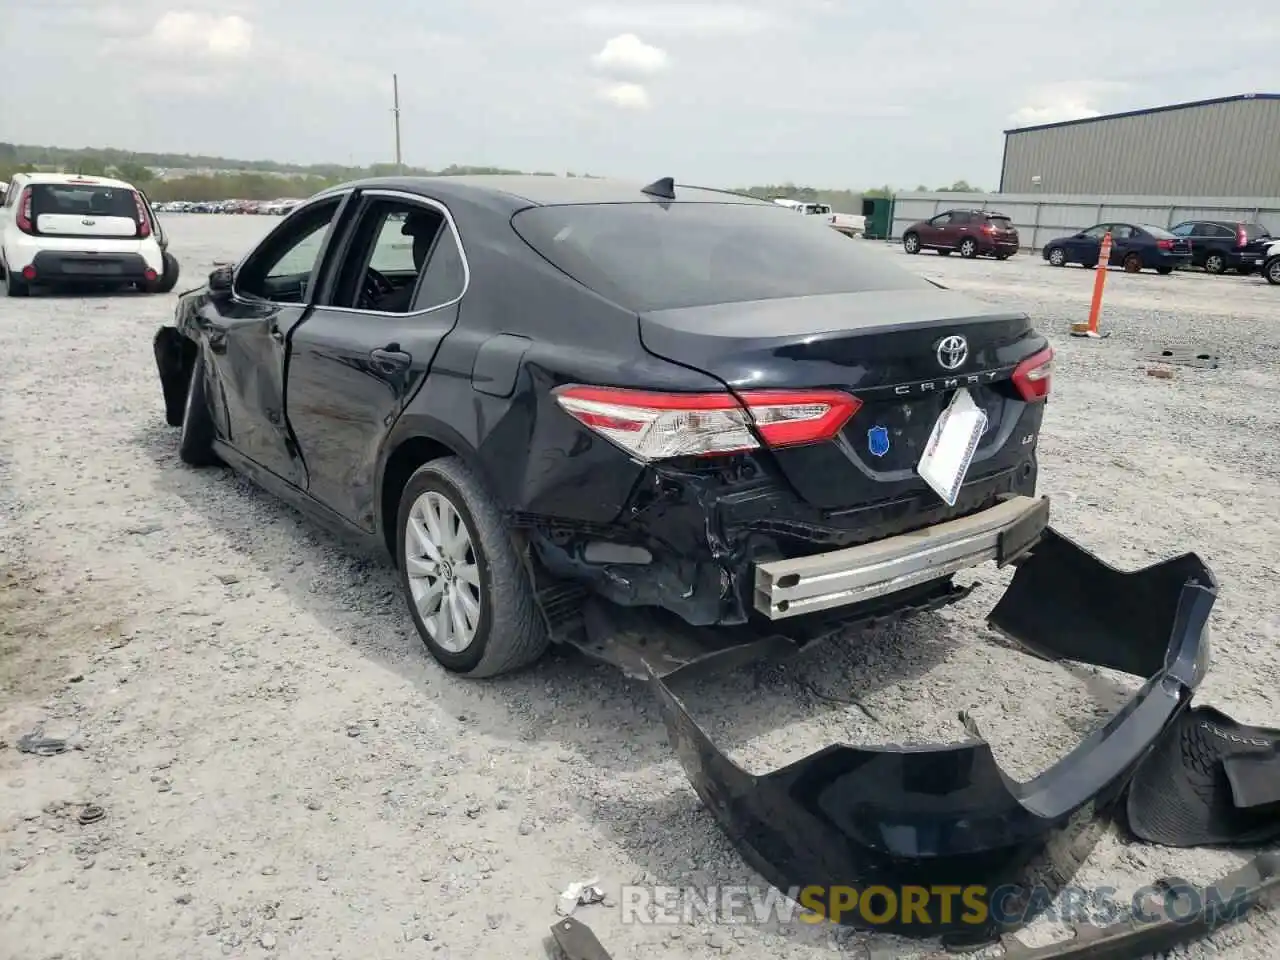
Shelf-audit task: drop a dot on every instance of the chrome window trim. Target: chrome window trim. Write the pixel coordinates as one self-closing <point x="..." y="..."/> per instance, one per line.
<point x="319" y="198"/>
<point x="457" y="239"/>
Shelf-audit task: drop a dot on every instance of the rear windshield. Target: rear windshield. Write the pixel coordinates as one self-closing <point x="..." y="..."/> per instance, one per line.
<point x="82" y="200"/>
<point x="1255" y="231"/>
<point x="650" y="256"/>
<point x="1160" y="233"/>
<point x="1000" y="223"/>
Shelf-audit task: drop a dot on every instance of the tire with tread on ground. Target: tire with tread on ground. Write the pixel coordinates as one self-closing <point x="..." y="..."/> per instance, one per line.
<point x="468" y="589"/>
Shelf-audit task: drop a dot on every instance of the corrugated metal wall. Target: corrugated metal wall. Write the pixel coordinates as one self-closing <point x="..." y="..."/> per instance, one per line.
<point x="1227" y="149"/>
<point x="1040" y="218"/>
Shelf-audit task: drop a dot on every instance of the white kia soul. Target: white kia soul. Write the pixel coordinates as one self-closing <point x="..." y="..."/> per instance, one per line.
<point x="61" y="229"/>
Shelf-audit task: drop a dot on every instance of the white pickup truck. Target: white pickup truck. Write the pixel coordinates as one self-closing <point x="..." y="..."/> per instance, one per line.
<point x="1269" y="265"/>
<point x="850" y="224"/>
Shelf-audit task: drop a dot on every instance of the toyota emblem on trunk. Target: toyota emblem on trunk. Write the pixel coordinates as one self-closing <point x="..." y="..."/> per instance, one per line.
<point x="952" y="352"/>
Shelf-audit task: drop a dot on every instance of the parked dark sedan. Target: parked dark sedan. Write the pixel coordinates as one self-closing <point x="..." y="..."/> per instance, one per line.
<point x="1222" y="245"/>
<point x="971" y="233"/>
<point x="1134" y="246"/>
<point x="554" y="401"/>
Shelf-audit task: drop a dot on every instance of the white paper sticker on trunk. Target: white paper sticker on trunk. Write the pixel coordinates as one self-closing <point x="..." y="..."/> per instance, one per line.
<point x="951" y="446"/>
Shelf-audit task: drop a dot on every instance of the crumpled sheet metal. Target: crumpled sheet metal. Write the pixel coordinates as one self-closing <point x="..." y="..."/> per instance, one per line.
<point x="943" y="816"/>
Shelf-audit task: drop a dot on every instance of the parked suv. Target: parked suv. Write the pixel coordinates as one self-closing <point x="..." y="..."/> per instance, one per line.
<point x="972" y="232"/>
<point x="61" y="229"/>
<point x="1222" y="245"/>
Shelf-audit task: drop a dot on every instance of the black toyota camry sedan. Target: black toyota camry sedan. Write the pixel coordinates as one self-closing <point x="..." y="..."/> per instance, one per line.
<point x="578" y="409"/>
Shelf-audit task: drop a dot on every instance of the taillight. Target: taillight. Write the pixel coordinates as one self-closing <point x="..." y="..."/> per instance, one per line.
<point x="1031" y="376"/>
<point x="144" y="221"/>
<point x="988" y="228"/>
<point x="655" y="426"/>
<point x="1164" y="244"/>
<point x="1242" y="238"/>
<point x="23" y="219"/>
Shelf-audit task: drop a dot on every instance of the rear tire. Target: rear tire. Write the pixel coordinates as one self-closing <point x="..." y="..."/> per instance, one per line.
<point x="507" y="631"/>
<point x="968" y="248"/>
<point x="15" y="286"/>
<point x="911" y="243"/>
<point x="1133" y="263"/>
<point x="195" y="446"/>
<point x="1215" y="263"/>
<point x="1271" y="270"/>
<point x="167" y="280"/>
<point x="1057" y="257"/>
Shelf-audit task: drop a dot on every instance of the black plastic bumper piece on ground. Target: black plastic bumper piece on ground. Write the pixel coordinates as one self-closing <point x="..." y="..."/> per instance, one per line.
<point x="1187" y="914"/>
<point x="577" y="942"/>
<point x="926" y="817"/>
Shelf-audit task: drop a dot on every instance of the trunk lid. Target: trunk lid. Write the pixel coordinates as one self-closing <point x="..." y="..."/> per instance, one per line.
<point x="882" y="347"/>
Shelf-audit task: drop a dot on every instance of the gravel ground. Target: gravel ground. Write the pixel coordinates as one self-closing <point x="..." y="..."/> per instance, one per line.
<point x="284" y="770"/>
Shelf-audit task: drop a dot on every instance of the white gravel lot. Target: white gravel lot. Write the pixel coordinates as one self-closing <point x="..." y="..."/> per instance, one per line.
<point x="284" y="770"/>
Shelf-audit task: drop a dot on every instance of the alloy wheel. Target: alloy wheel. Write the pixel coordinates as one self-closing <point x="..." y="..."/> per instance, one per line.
<point x="444" y="578"/>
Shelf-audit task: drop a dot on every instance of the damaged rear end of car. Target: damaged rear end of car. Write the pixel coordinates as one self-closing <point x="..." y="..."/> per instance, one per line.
<point x="791" y="492"/>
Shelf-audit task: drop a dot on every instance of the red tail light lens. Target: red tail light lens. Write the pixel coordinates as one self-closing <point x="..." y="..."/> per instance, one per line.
<point x="1164" y="244"/>
<point x="144" y="221"/>
<point x="23" y="218"/>
<point x="1242" y="237"/>
<point x="656" y="426"/>
<point x="1031" y="377"/>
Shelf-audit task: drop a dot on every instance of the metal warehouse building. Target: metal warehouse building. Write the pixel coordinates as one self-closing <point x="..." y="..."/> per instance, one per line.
<point x="1227" y="147"/>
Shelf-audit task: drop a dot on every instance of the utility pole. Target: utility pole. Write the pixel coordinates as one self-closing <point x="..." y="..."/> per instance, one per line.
<point x="395" y="109"/>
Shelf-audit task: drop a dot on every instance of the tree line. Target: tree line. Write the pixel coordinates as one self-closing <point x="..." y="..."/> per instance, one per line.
<point x="166" y="176"/>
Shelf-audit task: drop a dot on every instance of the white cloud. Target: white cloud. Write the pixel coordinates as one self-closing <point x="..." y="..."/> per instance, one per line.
<point x="1030" y="116"/>
<point x="701" y="18"/>
<point x="625" y="96"/>
<point x="628" y="55"/>
<point x="190" y="33"/>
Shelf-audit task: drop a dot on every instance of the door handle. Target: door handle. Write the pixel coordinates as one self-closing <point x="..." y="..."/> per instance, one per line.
<point x="390" y="360"/>
<point x="277" y="334"/>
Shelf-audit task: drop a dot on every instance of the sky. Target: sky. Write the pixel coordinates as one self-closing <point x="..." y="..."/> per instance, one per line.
<point x="816" y="92"/>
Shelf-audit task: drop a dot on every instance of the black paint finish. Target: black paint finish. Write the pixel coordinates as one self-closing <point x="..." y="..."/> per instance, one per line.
<point x="340" y="405"/>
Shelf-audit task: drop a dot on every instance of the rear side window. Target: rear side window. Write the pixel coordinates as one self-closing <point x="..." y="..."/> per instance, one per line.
<point x="650" y="256"/>
<point x="82" y="200"/>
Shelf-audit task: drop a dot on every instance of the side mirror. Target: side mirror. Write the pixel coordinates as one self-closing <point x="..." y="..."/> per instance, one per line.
<point x="220" y="278"/>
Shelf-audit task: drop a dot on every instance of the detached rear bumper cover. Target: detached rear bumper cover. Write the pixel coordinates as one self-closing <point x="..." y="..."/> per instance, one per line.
<point x="788" y="588"/>
<point x="861" y="816"/>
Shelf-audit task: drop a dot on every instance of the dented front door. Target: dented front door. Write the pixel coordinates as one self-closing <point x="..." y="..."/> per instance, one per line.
<point x="246" y="347"/>
<point x="247" y="334"/>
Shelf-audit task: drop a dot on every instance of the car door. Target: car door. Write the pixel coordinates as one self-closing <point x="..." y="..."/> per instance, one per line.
<point x="932" y="232"/>
<point x="356" y="361"/>
<point x="1085" y="247"/>
<point x="247" y="331"/>
<point x="957" y="228"/>
<point x="1125" y="239"/>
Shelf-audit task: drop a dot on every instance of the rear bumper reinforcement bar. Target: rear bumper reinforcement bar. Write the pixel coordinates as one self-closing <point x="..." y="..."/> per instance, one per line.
<point x="789" y="588"/>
